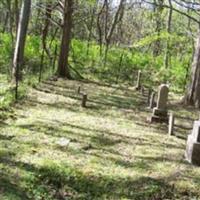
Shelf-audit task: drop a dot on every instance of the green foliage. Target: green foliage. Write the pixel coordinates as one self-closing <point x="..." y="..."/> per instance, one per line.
<point x="121" y="64"/>
<point x="112" y="154"/>
<point x="29" y="69"/>
<point x="162" y="36"/>
<point x="5" y="53"/>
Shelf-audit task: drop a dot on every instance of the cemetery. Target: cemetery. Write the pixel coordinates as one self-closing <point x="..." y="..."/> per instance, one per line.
<point x="133" y="141"/>
<point x="99" y="100"/>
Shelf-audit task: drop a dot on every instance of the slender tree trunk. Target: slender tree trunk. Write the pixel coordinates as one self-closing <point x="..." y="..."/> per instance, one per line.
<point x="193" y="50"/>
<point x="158" y="12"/>
<point x="63" y="65"/>
<point x="5" y="22"/>
<point x="45" y="31"/>
<point x="91" y="28"/>
<point x="117" y="18"/>
<point x="16" y="14"/>
<point x="99" y="28"/>
<point x="20" y="42"/>
<point x="167" y="52"/>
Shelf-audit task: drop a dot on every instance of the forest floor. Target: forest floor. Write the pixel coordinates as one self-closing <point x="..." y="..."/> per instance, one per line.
<point x="52" y="148"/>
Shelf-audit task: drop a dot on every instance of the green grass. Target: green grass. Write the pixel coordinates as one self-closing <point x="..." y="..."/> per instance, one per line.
<point x="113" y="152"/>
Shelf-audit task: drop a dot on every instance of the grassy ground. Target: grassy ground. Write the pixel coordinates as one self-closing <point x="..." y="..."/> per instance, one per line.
<point x="55" y="149"/>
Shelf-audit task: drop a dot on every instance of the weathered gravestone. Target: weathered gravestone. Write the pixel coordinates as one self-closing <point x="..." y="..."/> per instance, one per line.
<point x="171" y="124"/>
<point x="79" y="90"/>
<point x="160" y="111"/>
<point x="152" y="100"/>
<point x="84" y="100"/>
<point x="138" y="85"/>
<point x="149" y="96"/>
<point x="193" y="145"/>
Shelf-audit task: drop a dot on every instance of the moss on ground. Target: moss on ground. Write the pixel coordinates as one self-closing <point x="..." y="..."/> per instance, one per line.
<point x="111" y="151"/>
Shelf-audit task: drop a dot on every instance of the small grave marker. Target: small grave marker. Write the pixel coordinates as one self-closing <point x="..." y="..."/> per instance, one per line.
<point x="152" y="100"/>
<point x="79" y="90"/>
<point x="84" y="100"/>
<point x="160" y="111"/>
<point x="171" y="124"/>
<point x="63" y="142"/>
<point x="149" y="96"/>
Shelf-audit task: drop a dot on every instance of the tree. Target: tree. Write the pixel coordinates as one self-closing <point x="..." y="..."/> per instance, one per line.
<point x="192" y="96"/>
<point x="20" y="41"/>
<point x="63" y="63"/>
<point x="167" y="51"/>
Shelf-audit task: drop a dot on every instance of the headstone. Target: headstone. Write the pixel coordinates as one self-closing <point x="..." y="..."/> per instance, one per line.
<point x="63" y="142"/>
<point x="142" y="90"/>
<point x="79" y="90"/>
<point x="84" y="100"/>
<point x="193" y="145"/>
<point x="160" y="111"/>
<point x="138" y="85"/>
<point x="149" y="96"/>
<point x="171" y="124"/>
<point x="152" y="100"/>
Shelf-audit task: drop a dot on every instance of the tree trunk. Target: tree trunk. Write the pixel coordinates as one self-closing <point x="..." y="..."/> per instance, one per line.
<point x="91" y="27"/>
<point x="167" y="52"/>
<point x="192" y="96"/>
<point x="63" y="65"/>
<point x="158" y="19"/>
<point x="21" y="38"/>
<point x="108" y="34"/>
<point x="16" y="14"/>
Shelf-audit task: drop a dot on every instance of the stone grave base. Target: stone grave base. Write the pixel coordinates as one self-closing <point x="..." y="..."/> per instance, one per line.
<point x="158" y="116"/>
<point x="137" y="88"/>
<point x="153" y="106"/>
<point x="192" y="151"/>
<point x="158" y="119"/>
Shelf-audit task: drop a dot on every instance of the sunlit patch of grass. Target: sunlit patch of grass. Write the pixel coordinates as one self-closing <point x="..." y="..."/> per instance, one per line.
<point x="113" y="153"/>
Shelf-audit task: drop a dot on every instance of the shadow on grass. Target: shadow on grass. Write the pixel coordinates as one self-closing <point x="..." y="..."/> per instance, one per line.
<point x="96" y="137"/>
<point x="81" y="136"/>
<point x="5" y="137"/>
<point x="126" y="101"/>
<point x="10" y="189"/>
<point x="59" y="181"/>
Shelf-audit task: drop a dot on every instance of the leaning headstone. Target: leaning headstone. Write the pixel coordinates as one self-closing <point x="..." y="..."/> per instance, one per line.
<point x="138" y="85"/>
<point x="148" y="96"/>
<point x="160" y="111"/>
<point x="171" y="124"/>
<point x="193" y="145"/>
<point x="84" y="100"/>
<point x="152" y="100"/>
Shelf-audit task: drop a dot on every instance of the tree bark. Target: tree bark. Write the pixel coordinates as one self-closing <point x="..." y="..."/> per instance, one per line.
<point x="21" y="38"/>
<point x="158" y="9"/>
<point x="192" y="96"/>
<point x="63" y="65"/>
<point x="167" y="52"/>
<point x="108" y="35"/>
<point x="18" y="58"/>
